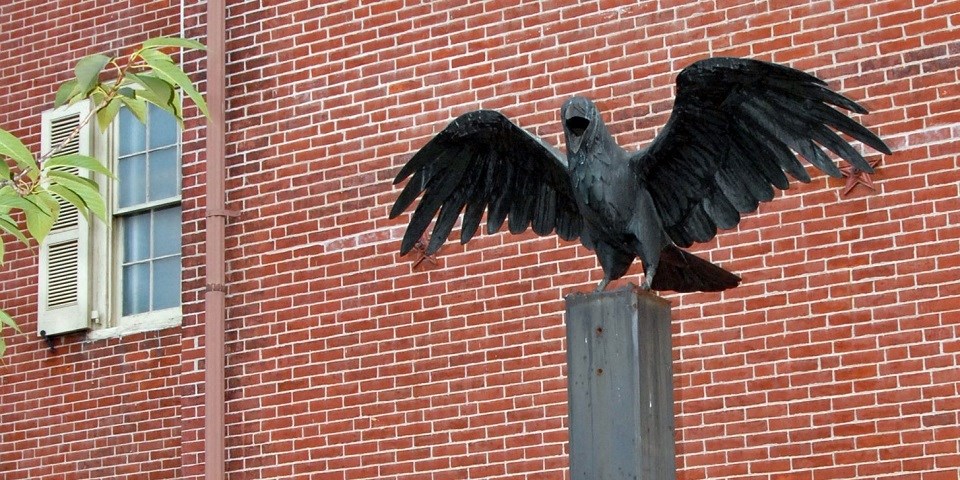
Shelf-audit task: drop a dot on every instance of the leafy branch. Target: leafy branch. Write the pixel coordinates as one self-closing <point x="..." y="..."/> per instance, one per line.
<point x="31" y="184"/>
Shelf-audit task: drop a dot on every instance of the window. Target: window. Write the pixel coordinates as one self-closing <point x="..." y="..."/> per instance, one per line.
<point x="147" y="211"/>
<point x="124" y="276"/>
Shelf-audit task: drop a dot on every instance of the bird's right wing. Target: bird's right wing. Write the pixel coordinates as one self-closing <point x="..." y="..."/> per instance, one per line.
<point x="484" y="162"/>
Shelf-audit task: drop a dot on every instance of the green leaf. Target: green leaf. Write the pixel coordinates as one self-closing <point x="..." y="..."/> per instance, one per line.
<point x="176" y="76"/>
<point x="108" y="112"/>
<point x="4" y="169"/>
<point x="3" y="347"/>
<point x="174" y="42"/>
<point x="74" y="199"/>
<point x="41" y="219"/>
<point x="158" y="92"/>
<point x="66" y="92"/>
<point x="8" y="225"/>
<point x="127" y="91"/>
<point x="88" y="71"/>
<point x="151" y="55"/>
<point x="137" y="106"/>
<point x="12" y="147"/>
<point x="98" y="96"/>
<point x="6" y="319"/>
<point x="13" y="200"/>
<point x="79" y="161"/>
<point x="86" y="189"/>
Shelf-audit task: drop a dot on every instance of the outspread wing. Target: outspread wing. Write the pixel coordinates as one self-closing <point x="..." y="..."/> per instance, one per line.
<point x="731" y="137"/>
<point x="484" y="162"/>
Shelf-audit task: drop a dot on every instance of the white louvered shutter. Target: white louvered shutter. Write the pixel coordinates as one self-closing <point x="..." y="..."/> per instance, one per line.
<point x="64" y="283"/>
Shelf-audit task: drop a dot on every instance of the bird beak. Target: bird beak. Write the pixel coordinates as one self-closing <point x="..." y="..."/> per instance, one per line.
<point x="576" y="126"/>
<point x="577" y="112"/>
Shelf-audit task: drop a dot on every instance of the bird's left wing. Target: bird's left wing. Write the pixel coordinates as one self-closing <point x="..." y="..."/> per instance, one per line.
<point x="483" y="162"/>
<point x="731" y="136"/>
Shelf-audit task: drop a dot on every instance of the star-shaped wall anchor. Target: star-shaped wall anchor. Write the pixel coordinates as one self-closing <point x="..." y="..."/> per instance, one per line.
<point x="855" y="177"/>
<point x="421" y="248"/>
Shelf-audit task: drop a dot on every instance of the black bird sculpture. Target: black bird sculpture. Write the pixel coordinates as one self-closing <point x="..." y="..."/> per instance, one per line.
<point x="730" y="139"/>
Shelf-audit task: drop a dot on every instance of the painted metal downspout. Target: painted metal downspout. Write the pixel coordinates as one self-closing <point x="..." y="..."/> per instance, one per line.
<point x="215" y="260"/>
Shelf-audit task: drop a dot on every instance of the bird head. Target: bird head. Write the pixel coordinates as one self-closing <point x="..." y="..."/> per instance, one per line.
<point x="579" y="119"/>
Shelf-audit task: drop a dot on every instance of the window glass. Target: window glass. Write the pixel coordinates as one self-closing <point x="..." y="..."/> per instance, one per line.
<point x="163" y="128"/>
<point x="166" y="281"/>
<point x="136" y="239"/>
<point x="136" y="288"/>
<point x="166" y="221"/>
<point x="133" y="134"/>
<point x="132" y="172"/>
<point x="164" y="174"/>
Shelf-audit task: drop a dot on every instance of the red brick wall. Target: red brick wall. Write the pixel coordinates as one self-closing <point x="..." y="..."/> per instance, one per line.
<point x="837" y="358"/>
<point x="91" y="410"/>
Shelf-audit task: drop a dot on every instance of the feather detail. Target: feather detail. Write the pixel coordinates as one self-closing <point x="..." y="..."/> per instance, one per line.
<point x="482" y="162"/>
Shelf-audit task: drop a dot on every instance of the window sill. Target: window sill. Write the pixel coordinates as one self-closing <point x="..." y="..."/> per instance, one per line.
<point x="144" y="322"/>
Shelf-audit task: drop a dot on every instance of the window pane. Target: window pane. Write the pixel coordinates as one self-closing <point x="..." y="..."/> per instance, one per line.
<point x="163" y="128"/>
<point x="136" y="288"/>
<point x="166" y="283"/>
<point x="132" y="176"/>
<point x="133" y="135"/>
<point x="164" y="174"/>
<point x="136" y="238"/>
<point x="166" y="232"/>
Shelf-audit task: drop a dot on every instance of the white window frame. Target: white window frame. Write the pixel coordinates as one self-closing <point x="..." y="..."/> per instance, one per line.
<point x="107" y="318"/>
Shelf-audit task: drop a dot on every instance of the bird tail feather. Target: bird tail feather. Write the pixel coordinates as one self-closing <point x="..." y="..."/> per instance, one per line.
<point x="682" y="271"/>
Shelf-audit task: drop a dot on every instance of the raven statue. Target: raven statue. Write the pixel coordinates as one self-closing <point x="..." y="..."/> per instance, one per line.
<point x="730" y="139"/>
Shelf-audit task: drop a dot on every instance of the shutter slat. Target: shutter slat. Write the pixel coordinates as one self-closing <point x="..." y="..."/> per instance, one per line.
<point x="63" y="274"/>
<point x="60" y="130"/>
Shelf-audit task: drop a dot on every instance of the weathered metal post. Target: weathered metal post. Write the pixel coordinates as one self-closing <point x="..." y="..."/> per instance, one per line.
<point x="620" y="387"/>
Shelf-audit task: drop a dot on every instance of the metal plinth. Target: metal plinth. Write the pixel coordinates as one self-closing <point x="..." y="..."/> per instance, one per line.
<point x="620" y="388"/>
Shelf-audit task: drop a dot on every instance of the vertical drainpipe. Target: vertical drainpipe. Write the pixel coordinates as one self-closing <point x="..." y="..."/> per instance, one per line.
<point x="215" y="261"/>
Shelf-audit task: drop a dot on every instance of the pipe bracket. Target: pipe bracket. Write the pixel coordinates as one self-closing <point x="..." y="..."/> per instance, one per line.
<point x="222" y="212"/>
